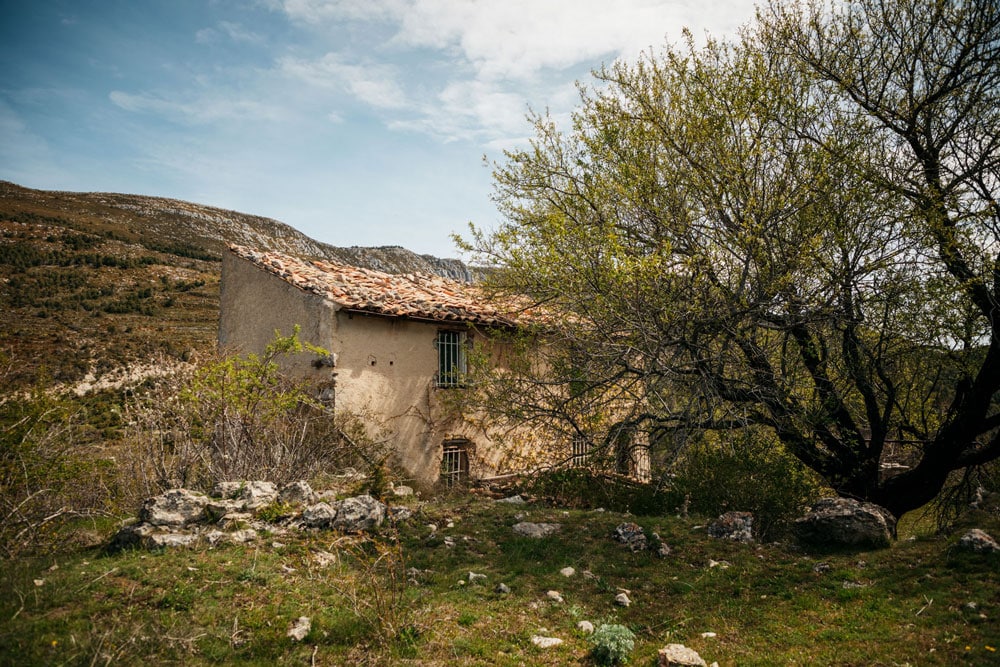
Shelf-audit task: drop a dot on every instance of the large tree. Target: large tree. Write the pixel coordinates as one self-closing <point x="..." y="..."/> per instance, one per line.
<point x="796" y="231"/>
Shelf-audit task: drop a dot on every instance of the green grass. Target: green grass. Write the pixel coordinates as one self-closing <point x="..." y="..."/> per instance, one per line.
<point x="770" y="606"/>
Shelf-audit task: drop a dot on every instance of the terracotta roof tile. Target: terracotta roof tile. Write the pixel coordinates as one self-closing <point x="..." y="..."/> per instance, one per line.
<point x="410" y="295"/>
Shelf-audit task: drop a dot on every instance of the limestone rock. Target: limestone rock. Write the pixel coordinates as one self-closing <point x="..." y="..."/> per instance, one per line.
<point x="502" y="589"/>
<point x="512" y="500"/>
<point x="554" y="596"/>
<point x="736" y="526"/>
<point x="169" y="540"/>
<point x="258" y="494"/>
<point x="216" y="509"/>
<point x="979" y="541"/>
<point x="477" y="578"/>
<point x="567" y="572"/>
<point x="545" y="642"/>
<point x="131" y="536"/>
<point x="586" y="627"/>
<point x="297" y="492"/>
<point x="846" y="522"/>
<point x="622" y="600"/>
<point x="399" y="513"/>
<point x="631" y="535"/>
<point x="226" y="490"/>
<point x="320" y="515"/>
<point x="176" y="507"/>
<point x="678" y="655"/>
<point x="402" y="491"/>
<point x="359" y="513"/>
<point x="299" y="628"/>
<point x="536" y="530"/>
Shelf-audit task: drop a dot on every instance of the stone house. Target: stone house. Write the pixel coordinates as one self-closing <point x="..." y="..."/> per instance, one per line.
<point x="398" y="346"/>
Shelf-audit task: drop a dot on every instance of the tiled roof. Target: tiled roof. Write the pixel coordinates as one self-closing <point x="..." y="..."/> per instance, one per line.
<point x="411" y="295"/>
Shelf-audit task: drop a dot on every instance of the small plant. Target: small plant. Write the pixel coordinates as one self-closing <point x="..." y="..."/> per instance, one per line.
<point x="276" y="511"/>
<point x="612" y="644"/>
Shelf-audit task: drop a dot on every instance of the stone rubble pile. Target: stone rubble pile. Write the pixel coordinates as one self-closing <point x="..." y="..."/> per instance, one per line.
<point x="236" y="512"/>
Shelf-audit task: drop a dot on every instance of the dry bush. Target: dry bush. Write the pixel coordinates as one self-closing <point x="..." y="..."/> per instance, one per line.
<point x="238" y="418"/>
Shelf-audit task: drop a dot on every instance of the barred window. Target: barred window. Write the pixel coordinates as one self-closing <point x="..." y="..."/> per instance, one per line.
<point x="581" y="452"/>
<point x="455" y="463"/>
<point x="452" y="367"/>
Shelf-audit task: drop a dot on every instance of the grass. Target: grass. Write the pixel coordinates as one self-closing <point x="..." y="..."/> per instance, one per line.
<point x="404" y="598"/>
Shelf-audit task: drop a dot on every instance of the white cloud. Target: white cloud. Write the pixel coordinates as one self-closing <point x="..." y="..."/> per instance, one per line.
<point x="208" y="108"/>
<point x="373" y="84"/>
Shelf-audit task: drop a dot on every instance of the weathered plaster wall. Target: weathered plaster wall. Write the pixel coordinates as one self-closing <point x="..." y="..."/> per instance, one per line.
<point x="255" y="303"/>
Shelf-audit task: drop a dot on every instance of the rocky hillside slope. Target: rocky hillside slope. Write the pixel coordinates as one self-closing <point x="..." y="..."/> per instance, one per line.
<point x="96" y="287"/>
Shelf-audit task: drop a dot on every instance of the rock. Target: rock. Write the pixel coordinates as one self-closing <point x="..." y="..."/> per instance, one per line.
<point x="170" y="540"/>
<point x="513" y="500"/>
<point x="567" y="572"/>
<point x="227" y="490"/>
<point x="243" y="536"/>
<point x="299" y="628"/>
<point x="398" y="513"/>
<point x="449" y="542"/>
<point x="502" y="589"/>
<point x="299" y="493"/>
<point x="402" y="491"/>
<point x="257" y="494"/>
<point x="622" y="600"/>
<point x="216" y="509"/>
<point x="822" y="568"/>
<point x="708" y="635"/>
<point x="545" y="642"/>
<point x="631" y="535"/>
<point x="978" y="541"/>
<point x="659" y="547"/>
<point x="554" y="596"/>
<point x="320" y="515"/>
<point x="358" y="514"/>
<point x="846" y="522"/>
<point x="477" y="578"/>
<point x="174" y="508"/>
<point x="736" y="526"/>
<point x="721" y="564"/>
<point x="679" y="655"/>
<point x="586" y="627"/>
<point x="536" y="530"/>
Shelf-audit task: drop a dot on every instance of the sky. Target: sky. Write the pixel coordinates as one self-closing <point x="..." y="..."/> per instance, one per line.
<point x="358" y="122"/>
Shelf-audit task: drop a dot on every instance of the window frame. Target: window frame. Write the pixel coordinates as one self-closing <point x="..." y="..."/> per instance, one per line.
<point x="453" y="359"/>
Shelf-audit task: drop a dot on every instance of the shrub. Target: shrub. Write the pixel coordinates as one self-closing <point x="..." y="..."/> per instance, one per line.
<point x="749" y="473"/>
<point x="239" y="418"/>
<point x="587" y="489"/>
<point x="612" y="644"/>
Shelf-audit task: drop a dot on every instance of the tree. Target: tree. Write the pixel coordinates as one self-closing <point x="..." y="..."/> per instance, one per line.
<point x="792" y="231"/>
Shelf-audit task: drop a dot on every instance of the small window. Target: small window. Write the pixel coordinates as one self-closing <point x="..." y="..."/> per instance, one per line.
<point x="452" y="367"/>
<point x="581" y="452"/>
<point x="455" y="463"/>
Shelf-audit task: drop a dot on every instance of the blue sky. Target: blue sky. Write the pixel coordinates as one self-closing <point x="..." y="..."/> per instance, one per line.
<point x="358" y="122"/>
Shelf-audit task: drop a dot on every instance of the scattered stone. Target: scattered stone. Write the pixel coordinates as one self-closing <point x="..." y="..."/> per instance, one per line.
<point x="449" y="542"/>
<point x="545" y="642"/>
<point x="536" y="530"/>
<point x="586" y="627"/>
<point x="477" y="578"/>
<point x="821" y="568"/>
<point x="176" y="507"/>
<point x="358" y="514"/>
<point x="513" y="500"/>
<point x="587" y="574"/>
<point x="846" y="522"/>
<point x="39" y="582"/>
<point x="736" y="526"/>
<point x="170" y="540"/>
<point x="234" y="520"/>
<point x="708" y="635"/>
<point x="849" y="585"/>
<point x="227" y="490"/>
<point x="554" y="596"/>
<point x="243" y="536"/>
<point x="659" y="547"/>
<point x="622" y="600"/>
<point x="432" y="527"/>
<point x="678" y="655"/>
<point x="257" y="494"/>
<point x="299" y="628"/>
<point x="721" y="564"/>
<point x="567" y="572"/>
<point x="320" y="515"/>
<point x="297" y="492"/>
<point x="631" y="535"/>
<point x="978" y="541"/>
<point x="217" y="509"/>
<point x="502" y="589"/>
<point x="402" y="491"/>
<point x="399" y="514"/>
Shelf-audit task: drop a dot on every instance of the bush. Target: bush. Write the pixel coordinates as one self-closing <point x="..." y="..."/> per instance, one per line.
<point x="585" y="489"/>
<point x="749" y="473"/>
<point x="239" y="418"/>
<point x="612" y="644"/>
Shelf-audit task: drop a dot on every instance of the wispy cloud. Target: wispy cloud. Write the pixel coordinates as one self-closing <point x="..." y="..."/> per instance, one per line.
<point x="372" y="83"/>
<point x="209" y="107"/>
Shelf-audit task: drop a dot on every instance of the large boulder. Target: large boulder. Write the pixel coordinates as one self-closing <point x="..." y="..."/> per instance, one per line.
<point x="358" y="513"/>
<point x="298" y="493"/>
<point x="678" y="655"/>
<point x="845" y="522"/>
<point x="979" y="541"/>
<point x="176" y="507"/>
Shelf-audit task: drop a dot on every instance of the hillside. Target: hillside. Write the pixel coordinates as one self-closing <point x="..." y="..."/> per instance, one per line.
<point x="97" y="285"/>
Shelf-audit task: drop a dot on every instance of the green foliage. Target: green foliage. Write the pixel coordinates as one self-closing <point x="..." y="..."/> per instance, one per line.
<point x="584" y="488"/>
<point x="612" y="644"/>
<point x="747" y="472"/>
